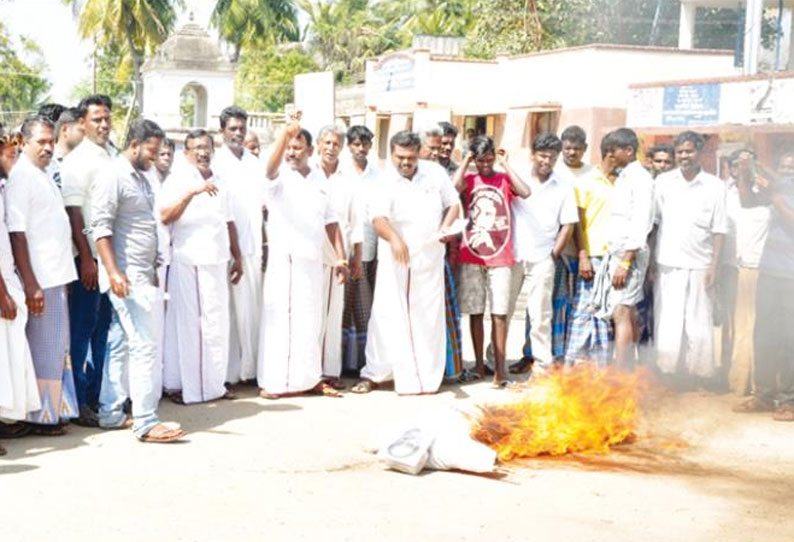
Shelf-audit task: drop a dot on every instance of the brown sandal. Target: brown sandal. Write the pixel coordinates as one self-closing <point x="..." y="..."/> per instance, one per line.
<point x="49" y="430"/>
<point x="161" y="433"/>
<point x="784" y="413"/>
<point x="326" y="390"/>
<point x="753" y="404"/>
<point x="336" y="383"/>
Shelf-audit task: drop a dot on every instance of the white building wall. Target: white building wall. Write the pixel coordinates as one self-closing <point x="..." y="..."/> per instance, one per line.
<point x="162" y="89"/>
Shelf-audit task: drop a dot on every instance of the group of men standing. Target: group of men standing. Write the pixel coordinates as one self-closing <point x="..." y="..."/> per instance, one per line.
<point x="123" y="277"/>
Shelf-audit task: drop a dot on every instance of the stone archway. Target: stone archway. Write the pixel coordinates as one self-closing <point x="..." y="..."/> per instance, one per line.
<point x="193" y="105"/>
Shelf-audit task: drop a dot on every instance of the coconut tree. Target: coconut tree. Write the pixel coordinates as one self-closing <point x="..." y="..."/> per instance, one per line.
<point x="251" y="23"/>
<point x="137" y="26"/>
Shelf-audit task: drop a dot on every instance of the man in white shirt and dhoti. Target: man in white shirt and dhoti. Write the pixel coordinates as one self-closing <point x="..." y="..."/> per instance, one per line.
<point x="692" y="221"/>
<point x="242" y="173"/>
<point x="414" y="204"/>
<point x="203" y="238"/>
<point x="345" y="205"/>
<point x="19" y="392"/>
<point x="300" y="219"/>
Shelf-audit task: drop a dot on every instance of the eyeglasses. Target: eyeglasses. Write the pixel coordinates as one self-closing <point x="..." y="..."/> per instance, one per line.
<point x="11" y="139"/>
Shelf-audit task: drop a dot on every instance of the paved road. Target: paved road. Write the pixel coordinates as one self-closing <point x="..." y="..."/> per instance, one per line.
<point x="295" y="470"/>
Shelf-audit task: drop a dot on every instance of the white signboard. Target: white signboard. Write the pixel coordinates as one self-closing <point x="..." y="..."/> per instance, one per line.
<point x="314" y="96"/>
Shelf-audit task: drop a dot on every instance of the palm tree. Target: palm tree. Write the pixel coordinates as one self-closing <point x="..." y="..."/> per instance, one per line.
<point x="137" y="26"/>
<point x="245" y="23"/>
<point x="344" y="33"/>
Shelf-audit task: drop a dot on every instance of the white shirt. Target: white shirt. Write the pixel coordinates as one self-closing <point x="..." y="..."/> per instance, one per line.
<point x="571" y="174"/>
<point x="6" y="255"/>
<point x="366" y="185"/>
<point x="538" y="218"/>
<point x="163" y="231"/>
<point x="298" y="211"/>
<point x="201" y="235"/>
<point x="747" y="231"/>
<point x="342" y="197"/>
<point x="688" y="213"/>
<point x="245" y="179"/>
<point x="415" y="207"/>
<point x="34" y="206"/>
<point x="631" y="218"/>
<point x="78" y="172"/>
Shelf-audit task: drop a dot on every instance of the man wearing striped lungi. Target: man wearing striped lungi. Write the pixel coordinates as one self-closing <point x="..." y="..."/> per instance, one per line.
<point x="41" y="242"/>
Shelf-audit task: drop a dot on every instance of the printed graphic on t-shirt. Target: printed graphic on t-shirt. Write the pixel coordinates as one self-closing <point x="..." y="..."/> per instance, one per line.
<point x="488" y="230"/>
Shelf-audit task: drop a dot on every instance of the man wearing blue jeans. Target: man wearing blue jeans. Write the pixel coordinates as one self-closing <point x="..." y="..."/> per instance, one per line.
<point x="124" y="228"/>
<point x="89" y="310"/>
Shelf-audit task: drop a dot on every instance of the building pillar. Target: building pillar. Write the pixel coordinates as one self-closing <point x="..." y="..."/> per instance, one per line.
<point x="686" y="26"/>
<point x="752" y="35"/>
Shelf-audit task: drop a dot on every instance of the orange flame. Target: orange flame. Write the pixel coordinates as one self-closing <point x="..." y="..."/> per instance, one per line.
<point x="583" y="409"/>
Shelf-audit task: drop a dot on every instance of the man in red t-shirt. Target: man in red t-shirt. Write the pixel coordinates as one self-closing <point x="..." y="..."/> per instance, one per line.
<point x="487" y="253"/>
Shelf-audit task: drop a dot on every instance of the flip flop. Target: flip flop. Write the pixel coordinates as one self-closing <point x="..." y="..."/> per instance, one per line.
<point x="364" y="386"/>
<point x="468" y="376"/>
<point x="265" y="395"/>
<point x="524" y="365"/>
<point x="15" y="430"/>
<point x="326" y="390"/>
<point x="336" y="383"/>
<point x="161" y="433"/>
<point x="753" y="404"/>
<point x="3" y="451"/>
<point x="49" y="430"/>
<point x="502" y="384"/>
<point x="784" y="413"/>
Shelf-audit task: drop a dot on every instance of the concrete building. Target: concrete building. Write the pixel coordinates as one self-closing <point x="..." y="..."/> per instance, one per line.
<point x="513" y="98"/>
<point x="734" y="112"/>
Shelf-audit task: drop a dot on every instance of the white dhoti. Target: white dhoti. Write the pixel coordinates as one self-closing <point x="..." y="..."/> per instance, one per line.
<point x="407" y="328"/>
<point x="246" y="314"/>
<point x="19" y="392"/>
<point x="197" y="331"/>
<point x="683" y="314"/>
<point x="333" y="307"/>
<point x="158" y="312"/>
<point x="291" y="332"/>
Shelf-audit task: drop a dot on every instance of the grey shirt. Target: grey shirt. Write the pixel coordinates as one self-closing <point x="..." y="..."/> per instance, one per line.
<point x="122" y="206"/>
<point x="777" y="258"/>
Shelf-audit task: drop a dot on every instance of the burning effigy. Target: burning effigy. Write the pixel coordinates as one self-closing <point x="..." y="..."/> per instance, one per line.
<point x="582" y="409"/>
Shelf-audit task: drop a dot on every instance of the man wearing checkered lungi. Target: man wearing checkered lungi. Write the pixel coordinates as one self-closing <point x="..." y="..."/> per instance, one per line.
<point x="358" y="291"/>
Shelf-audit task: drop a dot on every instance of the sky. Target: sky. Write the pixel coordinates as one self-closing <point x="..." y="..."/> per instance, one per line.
<point x="51" y="25"/>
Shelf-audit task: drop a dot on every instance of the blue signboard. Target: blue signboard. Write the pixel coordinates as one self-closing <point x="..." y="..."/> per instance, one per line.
<point x="691" y="105"/>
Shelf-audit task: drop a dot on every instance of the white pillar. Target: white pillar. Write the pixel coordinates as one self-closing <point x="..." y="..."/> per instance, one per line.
<point x="752" y="35"/>
<point x="686" y="26"/>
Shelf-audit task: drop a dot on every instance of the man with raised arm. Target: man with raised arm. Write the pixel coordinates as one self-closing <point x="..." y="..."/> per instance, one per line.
<point x="300" y="218"/>
<point x="413" y="207"/>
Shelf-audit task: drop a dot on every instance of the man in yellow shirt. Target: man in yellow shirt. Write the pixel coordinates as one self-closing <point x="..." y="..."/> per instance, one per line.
<point x="589" y="336"/>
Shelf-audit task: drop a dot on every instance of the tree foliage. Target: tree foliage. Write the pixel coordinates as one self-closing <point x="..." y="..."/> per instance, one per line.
<point x="265" y="77"/>
<point x="135" y="27"/>
<point x="113" y="77"/>
<point x="22" y="84"/>
<point x="255" y="24"/>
